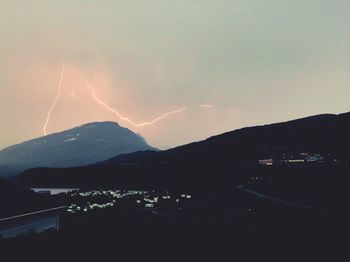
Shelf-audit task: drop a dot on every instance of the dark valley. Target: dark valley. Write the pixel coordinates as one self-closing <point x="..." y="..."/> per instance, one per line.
<point x="247" y="188"/>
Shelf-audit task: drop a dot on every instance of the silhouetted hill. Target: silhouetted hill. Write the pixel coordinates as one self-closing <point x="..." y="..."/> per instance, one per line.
<point x="219" y="160"/>
<point x="82" y="145"/>
<point x="15" y="200"/>
<point x="7" y="171"/>
<point x="325" y="134"/>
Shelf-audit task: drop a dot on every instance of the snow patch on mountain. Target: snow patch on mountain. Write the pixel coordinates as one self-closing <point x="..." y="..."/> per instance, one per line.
<point x="70" y="140"/>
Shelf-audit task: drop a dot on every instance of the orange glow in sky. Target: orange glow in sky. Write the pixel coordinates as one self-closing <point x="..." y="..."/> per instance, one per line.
<point x="103" y="104"/>
<point x="124" y="118"/>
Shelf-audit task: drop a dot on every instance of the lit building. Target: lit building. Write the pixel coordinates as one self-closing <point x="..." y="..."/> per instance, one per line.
<point x="266" y="162"/>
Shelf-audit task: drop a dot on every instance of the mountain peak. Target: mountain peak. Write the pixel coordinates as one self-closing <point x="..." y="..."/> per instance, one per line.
<point x="100" y="124"/>
<point x="85" y="144"/>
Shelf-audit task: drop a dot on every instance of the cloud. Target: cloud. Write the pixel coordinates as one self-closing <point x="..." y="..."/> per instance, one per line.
<point x="207" y="106"/>
<point x="288" y="58"/>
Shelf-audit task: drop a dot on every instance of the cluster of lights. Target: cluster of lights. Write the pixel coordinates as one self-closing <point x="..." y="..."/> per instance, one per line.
<point x="143" y="199"/>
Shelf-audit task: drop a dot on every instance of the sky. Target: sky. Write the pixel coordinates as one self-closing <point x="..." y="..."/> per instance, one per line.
<point x="221" y="65"/>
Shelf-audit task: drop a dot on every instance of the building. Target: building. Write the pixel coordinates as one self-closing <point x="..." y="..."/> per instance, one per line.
<point x="24" y="212"/>
<point x="292" y="158"/>
<point x="53" y="191"/>
<point x="33" y="222"/>
<point x="266" y="162"/>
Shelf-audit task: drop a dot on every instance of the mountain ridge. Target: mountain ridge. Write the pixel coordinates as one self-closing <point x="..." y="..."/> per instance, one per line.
<point x="216" y="160"/>
<point x="227" y="135"/>
<point x="80" y="145"/>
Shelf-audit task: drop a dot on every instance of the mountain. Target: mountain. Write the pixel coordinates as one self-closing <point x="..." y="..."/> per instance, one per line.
<point x="82" y="145"/>
<point x="7" y="171"/>
<point x="325" y="134"/>
<point x="222" y="160"/>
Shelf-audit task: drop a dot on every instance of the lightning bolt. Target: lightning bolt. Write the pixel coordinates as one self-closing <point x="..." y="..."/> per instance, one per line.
<point x="119" y="115"/>
<point x="59" y="88"/>
<point x="126" y="119"/>
<point x="100" y="102"/>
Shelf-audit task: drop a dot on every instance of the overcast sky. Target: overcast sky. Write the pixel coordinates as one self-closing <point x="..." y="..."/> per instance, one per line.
<point x="231" y="63"/>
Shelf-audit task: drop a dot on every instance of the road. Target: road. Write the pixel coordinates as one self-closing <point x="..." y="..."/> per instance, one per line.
<point x="257" y="194"/>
